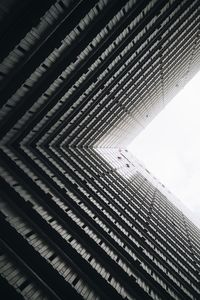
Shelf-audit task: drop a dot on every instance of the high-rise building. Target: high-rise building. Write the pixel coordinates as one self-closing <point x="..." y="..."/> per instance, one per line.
<point x="79" y="218"/>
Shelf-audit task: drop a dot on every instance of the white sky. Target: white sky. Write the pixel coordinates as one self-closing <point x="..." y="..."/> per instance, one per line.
<point x="169" y="146"/>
